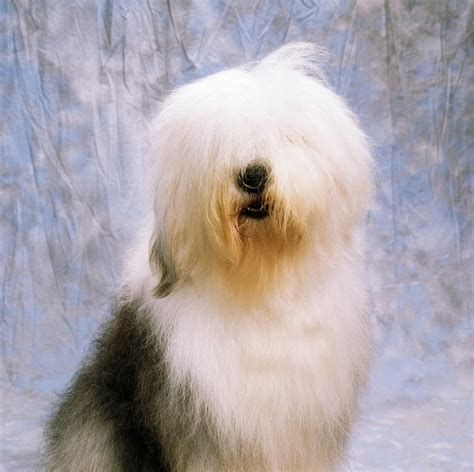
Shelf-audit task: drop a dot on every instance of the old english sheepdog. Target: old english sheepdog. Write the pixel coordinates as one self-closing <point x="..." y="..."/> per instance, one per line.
<point x="241" y="340"/>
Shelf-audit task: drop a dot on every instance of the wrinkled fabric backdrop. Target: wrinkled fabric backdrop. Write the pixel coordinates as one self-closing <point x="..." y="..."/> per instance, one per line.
<point x="79" y="81"/>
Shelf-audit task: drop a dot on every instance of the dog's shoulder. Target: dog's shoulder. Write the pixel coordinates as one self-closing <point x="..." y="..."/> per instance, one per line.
<point x="123" y="351"/>
<point x="116" y="385"/>
<point x="128" y="360"/>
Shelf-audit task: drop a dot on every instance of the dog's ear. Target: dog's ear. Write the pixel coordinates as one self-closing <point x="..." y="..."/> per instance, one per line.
<point x="161" y="263"/>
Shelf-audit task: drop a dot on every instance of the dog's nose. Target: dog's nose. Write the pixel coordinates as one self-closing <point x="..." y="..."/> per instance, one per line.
<point x="253" y="179"/>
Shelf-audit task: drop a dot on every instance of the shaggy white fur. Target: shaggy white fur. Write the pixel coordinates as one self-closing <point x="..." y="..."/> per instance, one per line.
<point x="242" y="340"/>
<point x="264" y="318"/>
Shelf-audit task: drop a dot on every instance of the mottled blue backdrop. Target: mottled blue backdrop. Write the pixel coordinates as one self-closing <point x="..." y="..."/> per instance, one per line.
<point x="79" y="81"/>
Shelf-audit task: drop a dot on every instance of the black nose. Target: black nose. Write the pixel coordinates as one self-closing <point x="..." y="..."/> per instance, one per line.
<point x="253" y="179"/>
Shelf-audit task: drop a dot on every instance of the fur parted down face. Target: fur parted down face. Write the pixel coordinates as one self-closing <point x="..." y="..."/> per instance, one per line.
<point x="273" y="115"/>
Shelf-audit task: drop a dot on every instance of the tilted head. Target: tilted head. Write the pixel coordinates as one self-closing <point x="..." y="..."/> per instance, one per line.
<point x="257" y="170"/>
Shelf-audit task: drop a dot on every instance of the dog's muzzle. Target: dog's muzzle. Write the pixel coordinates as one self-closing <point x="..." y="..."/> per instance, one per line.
<point x="253" y="180"/>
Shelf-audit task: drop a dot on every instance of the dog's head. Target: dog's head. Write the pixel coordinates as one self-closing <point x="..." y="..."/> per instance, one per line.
<point x="257" y="170"/>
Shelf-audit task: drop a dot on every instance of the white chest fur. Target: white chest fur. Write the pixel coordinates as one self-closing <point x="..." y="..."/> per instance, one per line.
<point x="282" y="379"/>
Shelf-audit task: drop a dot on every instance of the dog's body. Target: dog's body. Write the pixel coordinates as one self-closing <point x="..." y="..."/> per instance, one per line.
<point x="241" y="341"/>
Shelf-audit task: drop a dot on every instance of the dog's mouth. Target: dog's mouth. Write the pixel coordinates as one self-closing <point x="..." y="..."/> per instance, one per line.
<point x="257" y="209"/>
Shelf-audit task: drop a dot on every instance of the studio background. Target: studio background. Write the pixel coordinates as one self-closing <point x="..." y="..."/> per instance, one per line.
<point x="79" y="80"/>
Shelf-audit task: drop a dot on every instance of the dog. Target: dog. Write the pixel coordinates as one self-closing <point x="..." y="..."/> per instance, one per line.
<point x="241" y="340"/>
